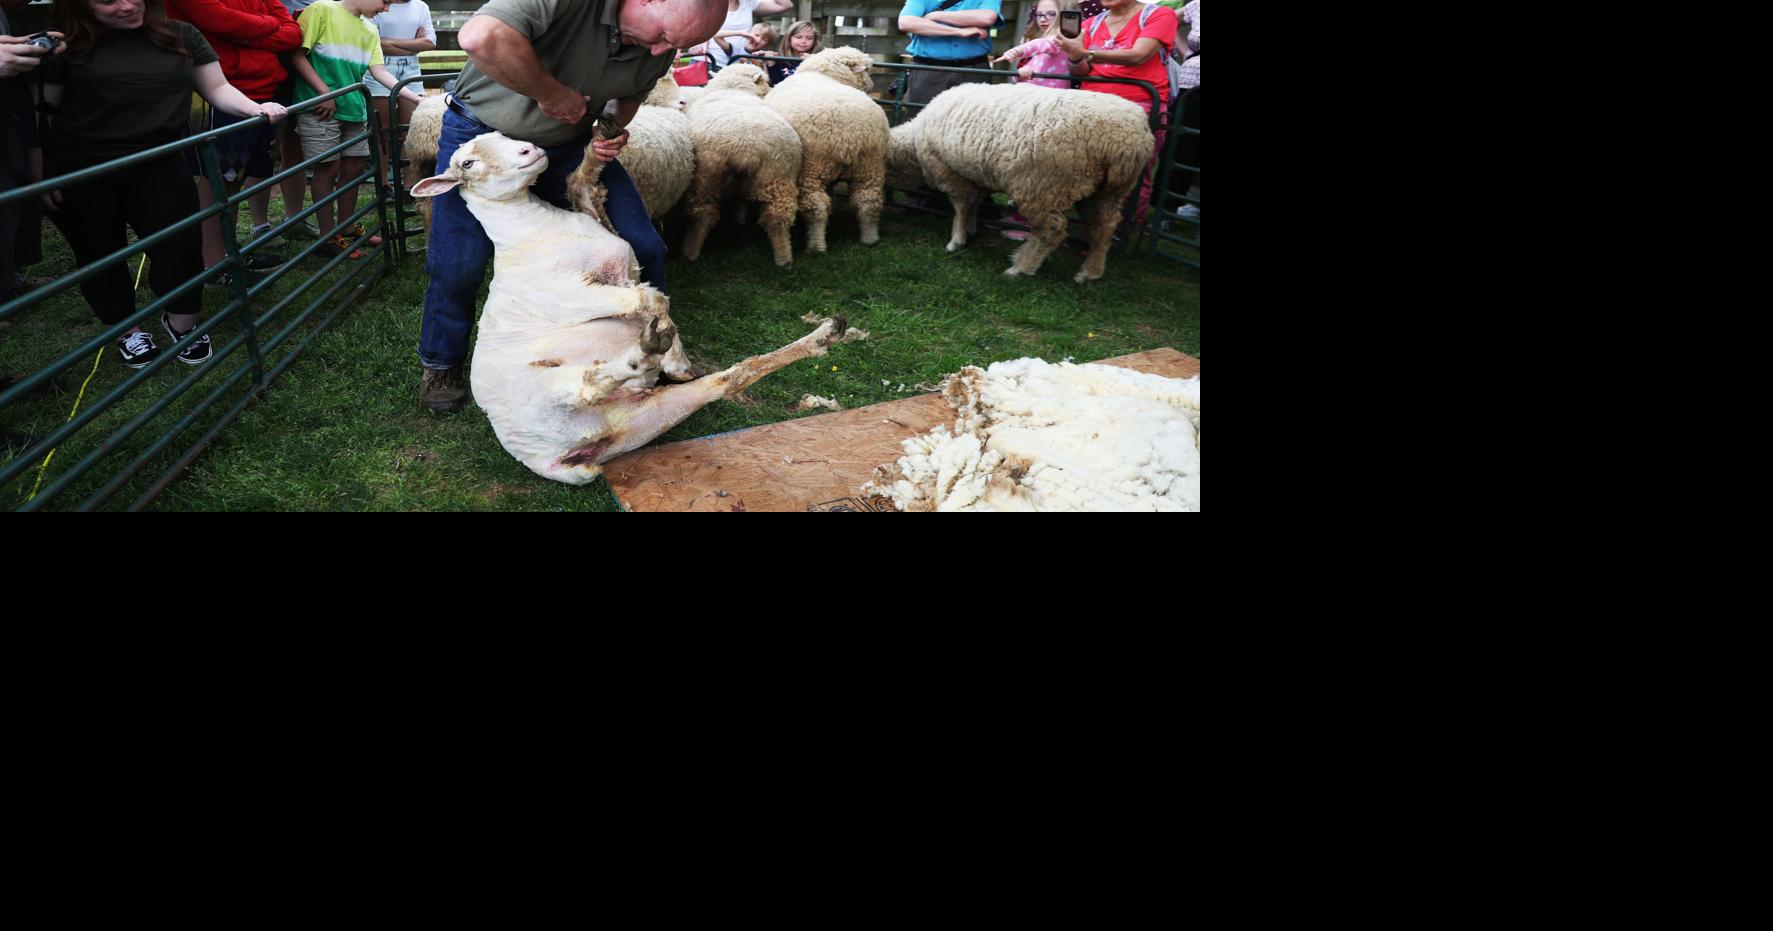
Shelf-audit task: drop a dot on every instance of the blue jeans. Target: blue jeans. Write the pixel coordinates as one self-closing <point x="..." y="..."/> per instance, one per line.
<point x="459" y="250"/>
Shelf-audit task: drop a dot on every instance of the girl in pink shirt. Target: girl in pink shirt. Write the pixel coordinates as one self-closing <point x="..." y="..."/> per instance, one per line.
<point x="1042" y="54"/>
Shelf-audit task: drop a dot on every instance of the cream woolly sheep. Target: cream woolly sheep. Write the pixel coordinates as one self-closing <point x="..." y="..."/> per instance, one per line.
<point x="420" y="148"/>
<point x="1047" y="149"/>
<point x="744" y="146"/>
<point x="843" y="136"/>
<point x="659" y="155"/>
<point x="570" y="344"/>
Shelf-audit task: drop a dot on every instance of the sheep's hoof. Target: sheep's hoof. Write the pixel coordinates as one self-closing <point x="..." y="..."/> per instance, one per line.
<point x="656" y="340"/>
<point x="1013" y="272"/>
<point x="870" y="240"/>
<point x="1084" y="277"/>
<point x="954" y="246"/>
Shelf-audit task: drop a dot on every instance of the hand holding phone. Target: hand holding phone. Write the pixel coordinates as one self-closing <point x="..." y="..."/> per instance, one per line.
<point x="1071" y="24"/>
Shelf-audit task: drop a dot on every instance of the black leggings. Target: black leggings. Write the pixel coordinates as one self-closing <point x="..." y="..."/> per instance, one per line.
<point x="95" y="217"/>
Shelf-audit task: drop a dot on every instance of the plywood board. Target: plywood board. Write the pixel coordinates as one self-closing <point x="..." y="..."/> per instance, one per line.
<point x="812" y="464"/>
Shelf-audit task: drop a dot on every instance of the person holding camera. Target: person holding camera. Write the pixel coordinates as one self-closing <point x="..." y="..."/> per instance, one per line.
<point x="21" y="158"/>
<point x="124" y="86"/>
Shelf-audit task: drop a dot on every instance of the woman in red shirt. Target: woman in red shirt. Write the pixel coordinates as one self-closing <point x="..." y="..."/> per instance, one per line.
<point x="1116" y="46"/>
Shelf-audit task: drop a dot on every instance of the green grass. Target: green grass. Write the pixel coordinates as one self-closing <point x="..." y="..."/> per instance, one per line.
<point x="342" y="429"/>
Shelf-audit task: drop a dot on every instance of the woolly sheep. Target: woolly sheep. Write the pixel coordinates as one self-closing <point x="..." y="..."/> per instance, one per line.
<point x="741" y="145"/>
<point x="1047" y="149"/>
<point x="659" y="155"/>
<point x="569" y="344"/>
<point x="1032" y="436"/>
<point x="420" y="148"/>
<point x="843" y="136"/>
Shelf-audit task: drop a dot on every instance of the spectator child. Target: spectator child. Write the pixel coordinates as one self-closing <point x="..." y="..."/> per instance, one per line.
<point x="800" y="41"/>
<point x="339" y="43"/>
<point x="1040" y="54"/>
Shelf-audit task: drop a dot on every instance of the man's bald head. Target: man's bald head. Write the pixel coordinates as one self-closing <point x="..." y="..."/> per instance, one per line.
<point x="663" y="25"/>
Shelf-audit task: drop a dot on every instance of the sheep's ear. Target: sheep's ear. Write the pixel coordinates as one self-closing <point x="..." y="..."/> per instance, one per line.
<point x="435" y="185"/>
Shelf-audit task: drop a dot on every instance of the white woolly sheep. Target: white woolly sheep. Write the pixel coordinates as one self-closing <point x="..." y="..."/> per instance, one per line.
<point x="742" y="146"/>
<point x="1047" y="149"/>
<point x="569" y="344"/>
<point x="843" y="136"/>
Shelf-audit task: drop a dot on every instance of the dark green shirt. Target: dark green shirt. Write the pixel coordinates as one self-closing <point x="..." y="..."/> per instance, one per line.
<point x="578" y="42"/>
<point x="128" y="96"/>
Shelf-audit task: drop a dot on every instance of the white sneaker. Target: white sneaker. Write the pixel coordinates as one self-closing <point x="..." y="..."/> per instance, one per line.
<point x="1189" y="212"/>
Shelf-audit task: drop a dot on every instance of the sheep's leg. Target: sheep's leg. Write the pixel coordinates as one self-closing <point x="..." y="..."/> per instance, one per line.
<point x="660" y="409"/>
<point x="815" y="204"/>
<point x="966" y="212"/>
<point x="584" y="189"/>
<point x="778" y="198"/>
<point x="1048" y="225"/>
<point x="868" y="193"/>
<point x="702" y="203"/>
<point x="1104" y="217"/>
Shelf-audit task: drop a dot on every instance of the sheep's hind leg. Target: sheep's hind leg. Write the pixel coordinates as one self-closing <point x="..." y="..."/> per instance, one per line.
<point x="1049" y="234"/>
<point x="778" y="218"/>
<point x="815" y="207"/>
<point x="1103" y="212"/>
<point x="868" y="193"/>
<point x="663" y="408"/>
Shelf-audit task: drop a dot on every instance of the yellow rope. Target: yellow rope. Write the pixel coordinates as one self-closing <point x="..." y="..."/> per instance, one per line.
<point x="44" y="467"/>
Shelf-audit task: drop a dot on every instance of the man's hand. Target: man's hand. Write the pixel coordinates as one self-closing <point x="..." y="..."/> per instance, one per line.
<point x="565" y="104"/>
<point x="973" y="32"/>
<point x="607" y="149"/>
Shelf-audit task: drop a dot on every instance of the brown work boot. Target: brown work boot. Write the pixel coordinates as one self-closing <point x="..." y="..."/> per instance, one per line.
<point x="444" y="390"/>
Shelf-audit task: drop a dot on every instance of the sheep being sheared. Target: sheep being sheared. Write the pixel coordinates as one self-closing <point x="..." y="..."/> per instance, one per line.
<point x="570" y="343"/>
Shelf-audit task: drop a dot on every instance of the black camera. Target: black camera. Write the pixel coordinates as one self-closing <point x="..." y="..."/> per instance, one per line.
<point x="44" y="41"/>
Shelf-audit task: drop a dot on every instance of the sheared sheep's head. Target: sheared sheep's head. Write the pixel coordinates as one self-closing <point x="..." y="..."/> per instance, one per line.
<point x="843" y="64"/>
<point x="493" y="167"/>
<point x="741" y="77"/>
<point x="904" y="170"/>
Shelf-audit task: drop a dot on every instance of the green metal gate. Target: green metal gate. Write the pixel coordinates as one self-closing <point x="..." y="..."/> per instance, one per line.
<point x="60" y="468"/>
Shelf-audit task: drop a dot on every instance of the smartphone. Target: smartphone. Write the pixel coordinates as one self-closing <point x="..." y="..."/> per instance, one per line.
<point x="1071" y="23"/>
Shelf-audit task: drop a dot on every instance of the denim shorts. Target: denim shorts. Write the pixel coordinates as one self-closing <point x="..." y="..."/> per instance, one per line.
<point x="401" y="67"/>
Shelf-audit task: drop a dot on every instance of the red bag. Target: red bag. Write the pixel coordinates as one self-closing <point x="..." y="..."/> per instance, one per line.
<point x="691" y="75"/>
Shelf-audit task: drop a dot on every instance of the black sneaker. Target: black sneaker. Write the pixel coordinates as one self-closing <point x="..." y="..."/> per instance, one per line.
<point x="137" y="349"/>
<point x="264" y="262"/>
<point x="195" y="354"/>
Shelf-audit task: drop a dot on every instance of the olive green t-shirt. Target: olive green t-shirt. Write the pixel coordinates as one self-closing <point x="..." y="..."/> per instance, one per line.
<point x="130" y="95"/>
<point x="578" y="42"/>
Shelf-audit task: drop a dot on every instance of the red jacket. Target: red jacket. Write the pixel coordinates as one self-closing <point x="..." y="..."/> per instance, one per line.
<point x="246" y="36"/>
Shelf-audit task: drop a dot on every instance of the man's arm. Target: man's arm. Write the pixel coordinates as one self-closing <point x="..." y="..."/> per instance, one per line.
<point x="772" y="7"/>
<point x="508" y="58"/>
<point x="288" y="36"/>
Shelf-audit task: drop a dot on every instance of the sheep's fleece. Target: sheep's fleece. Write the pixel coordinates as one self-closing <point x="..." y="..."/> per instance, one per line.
<point x="1033" y="436"/>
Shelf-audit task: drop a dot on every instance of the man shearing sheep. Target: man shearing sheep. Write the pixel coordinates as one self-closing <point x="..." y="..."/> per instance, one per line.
<point x="541" y="71"/>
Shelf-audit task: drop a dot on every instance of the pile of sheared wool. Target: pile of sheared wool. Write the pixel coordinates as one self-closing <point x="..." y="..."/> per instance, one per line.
<point x="1032" y="436"/>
